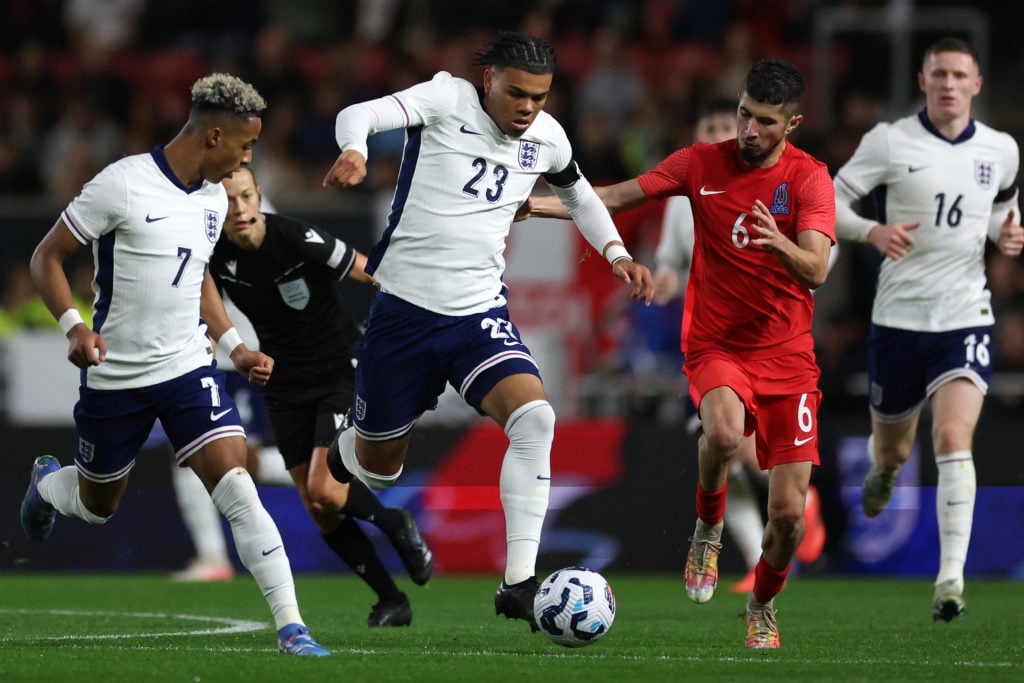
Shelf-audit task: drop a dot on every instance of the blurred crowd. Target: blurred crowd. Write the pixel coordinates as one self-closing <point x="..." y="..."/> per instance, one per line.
<point x="84" y="82"/>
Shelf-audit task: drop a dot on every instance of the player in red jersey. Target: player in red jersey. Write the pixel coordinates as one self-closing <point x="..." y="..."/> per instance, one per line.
<point x="764" y="217"/>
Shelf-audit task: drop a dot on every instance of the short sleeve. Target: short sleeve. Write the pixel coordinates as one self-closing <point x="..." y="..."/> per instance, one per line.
<point x="668" y="177"/>
<point x="99" y="207"/>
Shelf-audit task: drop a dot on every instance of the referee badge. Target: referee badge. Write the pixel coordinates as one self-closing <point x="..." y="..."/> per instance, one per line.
<point x="295" y="293"/>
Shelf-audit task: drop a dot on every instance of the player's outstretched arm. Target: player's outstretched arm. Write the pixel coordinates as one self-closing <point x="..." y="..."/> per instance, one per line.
<point x="255" y="365"/>
<point x="46" y="267"/>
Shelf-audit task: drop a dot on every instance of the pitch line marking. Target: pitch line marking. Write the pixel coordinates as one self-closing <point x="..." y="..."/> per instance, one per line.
<point x="229" y="625"/>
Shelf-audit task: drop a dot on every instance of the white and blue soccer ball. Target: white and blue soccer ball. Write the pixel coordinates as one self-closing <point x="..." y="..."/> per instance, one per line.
<point x="574" y="607"/>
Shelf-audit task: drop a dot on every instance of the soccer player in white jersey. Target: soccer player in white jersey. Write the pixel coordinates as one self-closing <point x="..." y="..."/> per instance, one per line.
<point x="152" y="221"/>
<point x="949" y="183"/>
<point x="471" y="159"/>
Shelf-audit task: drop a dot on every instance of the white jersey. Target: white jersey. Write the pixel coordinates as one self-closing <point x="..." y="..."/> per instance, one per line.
<point x="459" y="186"/>
<point x="950" y="187"/>
<point x="675" y="245"/>
<point x="151" y="240"/>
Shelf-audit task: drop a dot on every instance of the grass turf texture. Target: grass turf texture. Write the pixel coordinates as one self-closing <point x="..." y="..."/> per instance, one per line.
<point x="60" y="627"/>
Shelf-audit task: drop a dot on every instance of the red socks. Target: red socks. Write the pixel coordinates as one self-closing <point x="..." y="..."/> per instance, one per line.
<point x="711" y="505"/>
<point x="768" y="581"/>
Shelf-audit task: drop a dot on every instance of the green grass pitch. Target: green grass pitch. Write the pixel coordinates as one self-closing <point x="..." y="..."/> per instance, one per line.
<point x="100" y="627"/>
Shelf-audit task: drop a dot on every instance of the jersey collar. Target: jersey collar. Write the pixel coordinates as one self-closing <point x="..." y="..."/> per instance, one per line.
<point x="966" y="135"/>
<point x="161" y="161"/>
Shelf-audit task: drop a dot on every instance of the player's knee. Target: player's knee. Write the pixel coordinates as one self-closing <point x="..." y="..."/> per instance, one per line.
<point x="97" y="509"/>
<point x="949" y="438"/>
<point x="532" y="423"/>
<point x="325" y="496"/>
<point x="787" y="519"/>
<point x="722" y="441"/>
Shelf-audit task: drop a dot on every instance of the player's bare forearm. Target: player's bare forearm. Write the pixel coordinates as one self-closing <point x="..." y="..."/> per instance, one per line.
<point x="211" y="308"/>
<point x="47" y="268"/>
<point x="806" y="260"/>
<point x="358" y="271"/>
<point x="547" y="206"/>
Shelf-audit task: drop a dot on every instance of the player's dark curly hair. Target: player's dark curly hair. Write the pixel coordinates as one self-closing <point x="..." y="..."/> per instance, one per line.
<point x="774" y="81"/>
<point x="519" y="51"/>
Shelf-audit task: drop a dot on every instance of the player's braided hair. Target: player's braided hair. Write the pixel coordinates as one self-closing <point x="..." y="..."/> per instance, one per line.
<point x="774" y="81"/>
<point x="224" y="93"/>
<point x="519" y="51"/>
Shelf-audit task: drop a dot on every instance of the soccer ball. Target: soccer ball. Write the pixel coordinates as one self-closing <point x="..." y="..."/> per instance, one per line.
<point x="574" y="607"/>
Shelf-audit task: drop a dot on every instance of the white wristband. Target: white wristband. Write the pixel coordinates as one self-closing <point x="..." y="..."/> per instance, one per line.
<point x="229" y="341"/>
<point x="69" y="319"/>
<point x="616" y="252"/>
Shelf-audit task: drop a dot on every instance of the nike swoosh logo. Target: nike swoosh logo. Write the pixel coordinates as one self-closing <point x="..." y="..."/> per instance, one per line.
<point x="267" y="552"/>
<point x="149" y="219"/>
<point x="467" y="131"/>
<point x="915" y="169"/>
<point x="801" y="442"/>
<point x="543" y="478"/>
<point x="957" y="502"/>
<point x="705" y="192"/>
<point x="216" y="416"/>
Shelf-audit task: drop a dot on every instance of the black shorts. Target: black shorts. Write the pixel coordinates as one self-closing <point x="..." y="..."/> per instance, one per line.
<point x="304" y="417"/>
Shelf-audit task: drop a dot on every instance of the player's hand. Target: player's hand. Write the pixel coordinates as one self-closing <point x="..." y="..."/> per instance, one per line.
<point x="893" y="240"/>
<point x="524" y="211"/>
<point x="768" y="234"/>
<point x="255" y="365"/>
<point x="85" y="347"/>
<point x="1011" y="236"/>
<point x="638" y="277"/>
<point x="666" y="286"/>
<point x="348" y="170"/>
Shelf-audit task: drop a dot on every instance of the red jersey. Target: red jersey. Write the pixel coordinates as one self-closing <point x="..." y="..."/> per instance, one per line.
<point x="741" y="297"/>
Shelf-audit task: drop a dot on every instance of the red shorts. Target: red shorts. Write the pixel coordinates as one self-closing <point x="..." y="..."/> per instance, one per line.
<point x="781" y="397"/>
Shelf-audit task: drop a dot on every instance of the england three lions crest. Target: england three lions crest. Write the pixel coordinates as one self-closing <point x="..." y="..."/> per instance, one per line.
<point x="983" y="172"/>
<point x="529" y="153"/>
<point x="212" y="225"/>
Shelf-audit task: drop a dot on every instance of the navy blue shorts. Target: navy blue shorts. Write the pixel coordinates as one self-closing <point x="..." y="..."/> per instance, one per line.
<point x="408" y="354"/>
<point x="112" y="425"/>
<point x="905" y="368"/>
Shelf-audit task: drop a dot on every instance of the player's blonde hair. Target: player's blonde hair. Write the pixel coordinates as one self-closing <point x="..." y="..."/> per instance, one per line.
<point x="224" y="93"/>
